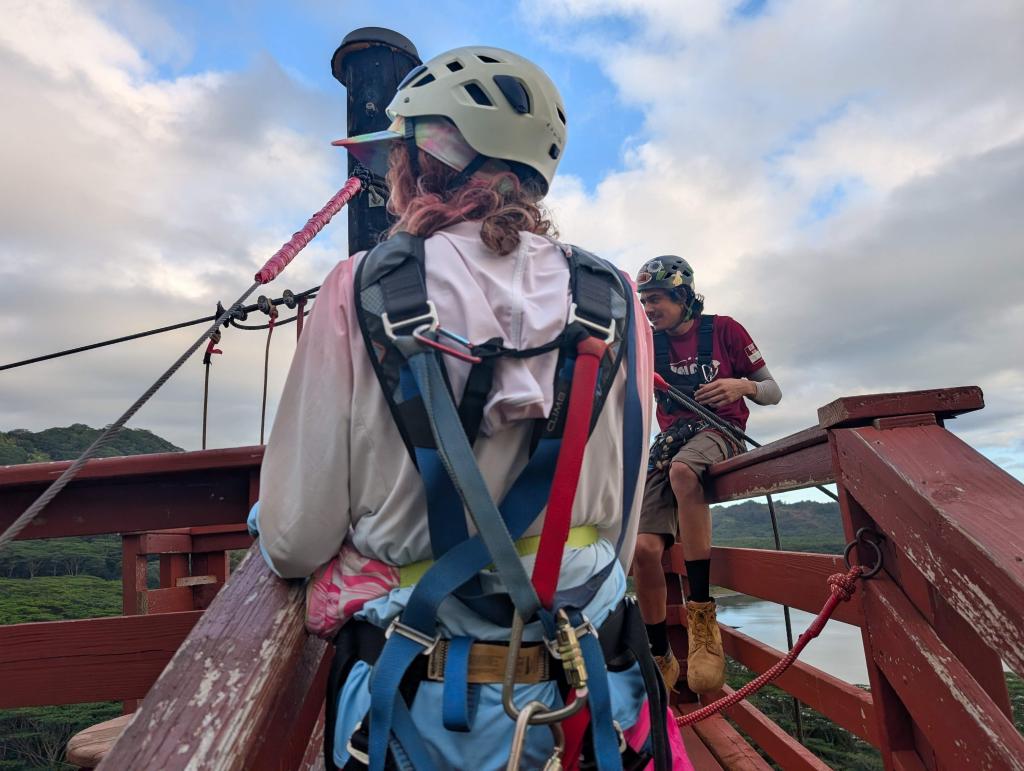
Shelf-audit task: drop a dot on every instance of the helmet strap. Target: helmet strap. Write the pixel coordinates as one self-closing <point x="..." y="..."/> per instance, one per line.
<point x="411" y="148"/>
<point x="471" y="168"/>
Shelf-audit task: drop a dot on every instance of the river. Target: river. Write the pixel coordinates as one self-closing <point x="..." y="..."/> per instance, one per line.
<point x="837" y="650"/>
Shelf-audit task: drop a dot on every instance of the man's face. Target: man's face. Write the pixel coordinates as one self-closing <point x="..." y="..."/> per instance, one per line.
<point x="662" y="311"/>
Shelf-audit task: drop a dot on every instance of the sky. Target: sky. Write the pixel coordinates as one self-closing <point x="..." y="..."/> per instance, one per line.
<point x="847" y="179"/>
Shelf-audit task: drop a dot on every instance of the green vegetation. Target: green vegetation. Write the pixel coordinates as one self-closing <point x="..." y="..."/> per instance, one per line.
<point x="805" y="526"/>
<point x="60" y="579"/>
<point x="834" y="745"/>
<point x="21" y="446"/>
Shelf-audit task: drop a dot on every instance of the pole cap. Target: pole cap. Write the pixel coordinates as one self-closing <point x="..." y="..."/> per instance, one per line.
<point x="367" y="37"/>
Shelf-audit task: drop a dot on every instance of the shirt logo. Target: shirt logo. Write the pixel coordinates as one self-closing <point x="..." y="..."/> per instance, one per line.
<point x="752" y="353"/>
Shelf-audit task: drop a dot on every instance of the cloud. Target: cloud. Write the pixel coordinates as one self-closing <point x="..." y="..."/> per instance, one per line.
<point x="845" y="177"/>
<point x="131" y="201"/>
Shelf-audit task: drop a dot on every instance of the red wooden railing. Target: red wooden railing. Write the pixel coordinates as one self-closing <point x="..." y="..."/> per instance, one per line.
<point x="243" y="687"/>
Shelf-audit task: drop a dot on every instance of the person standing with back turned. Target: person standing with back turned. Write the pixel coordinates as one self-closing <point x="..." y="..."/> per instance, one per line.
<point x="430" y="465"/>
<point x="713" y="360"/>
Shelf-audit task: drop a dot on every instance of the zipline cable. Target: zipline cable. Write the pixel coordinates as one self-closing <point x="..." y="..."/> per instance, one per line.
<point x="300" y="297"/>
<point x="273" y="267"/>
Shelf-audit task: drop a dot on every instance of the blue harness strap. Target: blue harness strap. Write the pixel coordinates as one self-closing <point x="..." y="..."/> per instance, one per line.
<point x="457" y="701"/>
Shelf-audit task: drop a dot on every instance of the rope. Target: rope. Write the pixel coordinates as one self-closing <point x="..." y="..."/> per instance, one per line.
<point x="266" y="372"/>
<point x="301" y="297"/>
<point x="280" y="259"/>
<point x="842" y="586"/>
<point x="660" y="384"/>
<point x="71" y="471"/>
<point x="273" y="267"/>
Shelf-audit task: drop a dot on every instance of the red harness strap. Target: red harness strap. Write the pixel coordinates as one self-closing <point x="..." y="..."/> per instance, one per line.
<point x="558" y="517"/>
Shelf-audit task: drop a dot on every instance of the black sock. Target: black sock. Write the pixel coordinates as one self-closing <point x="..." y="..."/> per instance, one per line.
<point x="698" y="573"/>
<point x="658" y="636"/>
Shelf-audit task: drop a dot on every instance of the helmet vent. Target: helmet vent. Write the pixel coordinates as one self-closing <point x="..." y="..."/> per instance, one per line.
<point x="478" y="95"/>
<point x="454" y="66"/>
<point x="487" y="59"/>
<point x="561" y="115"/>
<point x="423" y="81"/>
<point x="554" y="152"/>
<point x="515" y="92"/>
<point x="410" y="76"/>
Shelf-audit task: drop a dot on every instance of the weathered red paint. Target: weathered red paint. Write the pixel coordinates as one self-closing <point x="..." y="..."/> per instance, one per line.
<point x="96" y="659"/>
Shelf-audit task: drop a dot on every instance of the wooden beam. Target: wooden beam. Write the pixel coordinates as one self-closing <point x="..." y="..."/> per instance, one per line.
<point x="955" y="515"/>
<point x="96" y="659"/>
<point x="214" y="708"/>
<point x="796" y="579"/>
<point x="777" y="449"/>
<point x="780" y="746"/>
<point x="165" y="491"/>
<point x="173" y="599"/>
<point x="962" y="724"/>
<point x="858" y="410"/>
<point x="135" y="465"/>
<point x="729" y="748"/>
<point x="806" y="467"/>
<point x="846" y="705"/>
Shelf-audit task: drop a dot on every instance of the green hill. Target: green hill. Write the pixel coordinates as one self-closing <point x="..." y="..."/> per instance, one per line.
<point x="21" y="446"/>
<point x="803" y="526"/>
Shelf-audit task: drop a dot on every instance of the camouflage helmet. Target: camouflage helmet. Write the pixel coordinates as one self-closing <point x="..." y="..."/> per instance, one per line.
<point x="666" y="272"/>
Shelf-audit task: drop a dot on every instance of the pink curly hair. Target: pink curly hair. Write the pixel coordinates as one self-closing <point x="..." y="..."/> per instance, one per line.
<point x="424" y="205"/>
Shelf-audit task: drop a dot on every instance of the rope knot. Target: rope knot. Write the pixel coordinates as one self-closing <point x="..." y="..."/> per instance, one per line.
<point x="843" y="585"/>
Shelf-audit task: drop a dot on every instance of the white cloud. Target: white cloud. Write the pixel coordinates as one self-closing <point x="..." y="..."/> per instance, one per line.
<point x="131" y="201"/>
<point x="845" y="177"/>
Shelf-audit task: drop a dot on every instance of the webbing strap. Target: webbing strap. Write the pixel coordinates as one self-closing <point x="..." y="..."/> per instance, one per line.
<point x="456" y="696"/>
<point x="457" y="456"/>
<point x="557" y="519"/>
<point x="602" y="729"/>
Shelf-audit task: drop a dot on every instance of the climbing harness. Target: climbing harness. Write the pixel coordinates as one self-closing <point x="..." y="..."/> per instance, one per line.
<point x="406" y="341"/>
<point x="278" y="261"/>
<point x="686" y="383"/>
<point x="842" y="586"/>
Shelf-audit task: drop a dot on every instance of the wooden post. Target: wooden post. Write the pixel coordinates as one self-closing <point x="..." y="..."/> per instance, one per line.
<point x="370" y="63"/>
<point x="902" y="475"/>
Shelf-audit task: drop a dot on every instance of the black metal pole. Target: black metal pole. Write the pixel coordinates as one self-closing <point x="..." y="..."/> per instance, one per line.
<point x="370" y="63"/>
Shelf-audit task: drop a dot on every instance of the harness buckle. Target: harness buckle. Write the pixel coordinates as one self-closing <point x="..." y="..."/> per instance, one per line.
<point x="428" y="320"/>
<point x="428" y="643"/>
<point x="607" y="331"/>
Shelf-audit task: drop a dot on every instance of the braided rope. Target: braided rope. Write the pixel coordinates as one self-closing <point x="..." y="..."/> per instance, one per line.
<point x="842" y="586"/>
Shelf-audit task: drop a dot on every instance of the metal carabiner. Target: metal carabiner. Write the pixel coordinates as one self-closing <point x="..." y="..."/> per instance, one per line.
<point x="523" y="722"/>
<point x="548" y="715"/>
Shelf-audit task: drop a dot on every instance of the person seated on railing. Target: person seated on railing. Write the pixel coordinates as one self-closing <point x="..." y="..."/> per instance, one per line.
<point x="713" y="360"/>
<point x="371" y="468"/>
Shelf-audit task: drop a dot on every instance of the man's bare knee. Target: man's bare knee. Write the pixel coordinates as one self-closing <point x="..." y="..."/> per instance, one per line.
<point x="684" y="481"/>
<point x="649" y="550"/>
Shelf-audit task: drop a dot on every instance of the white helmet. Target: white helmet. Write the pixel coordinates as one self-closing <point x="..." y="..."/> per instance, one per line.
<point x="504" y="106"/>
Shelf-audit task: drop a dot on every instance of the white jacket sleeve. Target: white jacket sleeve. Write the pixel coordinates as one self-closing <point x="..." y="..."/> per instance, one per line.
<point x="304" y="510"/>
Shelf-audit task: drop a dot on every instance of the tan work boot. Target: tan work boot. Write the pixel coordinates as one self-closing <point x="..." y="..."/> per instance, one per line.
<point x="705" y="665"/>
<point x="668" y="665"/>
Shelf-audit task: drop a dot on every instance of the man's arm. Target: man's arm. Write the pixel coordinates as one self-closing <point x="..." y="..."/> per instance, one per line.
<point x="766" y="390"/>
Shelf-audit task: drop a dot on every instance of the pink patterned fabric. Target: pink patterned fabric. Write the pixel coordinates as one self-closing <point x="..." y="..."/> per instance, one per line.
<point x="637" y="735"/>
<point x="339" y="589"/>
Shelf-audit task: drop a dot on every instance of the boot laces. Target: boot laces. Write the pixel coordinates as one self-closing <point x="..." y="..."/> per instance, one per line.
<point x="701" y="631"/>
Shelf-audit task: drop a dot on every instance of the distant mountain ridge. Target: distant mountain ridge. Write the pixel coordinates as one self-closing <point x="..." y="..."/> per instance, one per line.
<point x="803" y="526"/>
<point x="67" y="443"/>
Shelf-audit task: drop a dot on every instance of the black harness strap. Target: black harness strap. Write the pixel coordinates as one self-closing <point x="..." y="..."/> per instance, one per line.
<point x="703" y="370"/>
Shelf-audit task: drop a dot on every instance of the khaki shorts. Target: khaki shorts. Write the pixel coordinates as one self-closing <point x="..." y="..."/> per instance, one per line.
<point x="658" y="513"/>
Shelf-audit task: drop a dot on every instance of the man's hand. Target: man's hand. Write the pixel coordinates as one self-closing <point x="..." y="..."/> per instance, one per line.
<point x="719" y="393"/>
